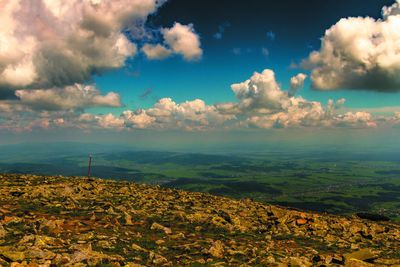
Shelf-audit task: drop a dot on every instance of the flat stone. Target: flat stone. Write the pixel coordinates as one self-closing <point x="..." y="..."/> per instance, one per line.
<point x="362" y="255"/>
<point x="217" y="249"/>
<point x="14" y="255"/>
<point x="357" y="263"/>
<point x="301" y="221"/>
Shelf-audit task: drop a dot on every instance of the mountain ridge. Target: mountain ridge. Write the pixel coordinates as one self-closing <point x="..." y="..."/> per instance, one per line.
<point x="75" y="221"/>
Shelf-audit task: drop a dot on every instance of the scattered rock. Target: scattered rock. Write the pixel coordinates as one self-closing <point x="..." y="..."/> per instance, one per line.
<point x="35" y="253"/>
<point x="13" y="255"/>
<point x="301" y="221"/>
<point x="157" y="226"/>
<point x="54" y="221"/>
<point x="138" y="248"/>
<point x="128" y="219"/>
<point x="104" y="244"/>
<point x="300" y="261"/>
<point x="362" y="255"/>
<point x="160" y="242"/>
<point x="217" y="249"/>
<point x="132" y="264"/>
<point x="3" y="232"/>
<point x="157" y="258"/>
<point x="357" y="263"/>
<point x="177" y="236"/>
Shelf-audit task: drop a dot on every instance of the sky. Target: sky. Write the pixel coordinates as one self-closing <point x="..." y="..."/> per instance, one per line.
<point x="286" y="30"/>
<point x="100" y="67"/>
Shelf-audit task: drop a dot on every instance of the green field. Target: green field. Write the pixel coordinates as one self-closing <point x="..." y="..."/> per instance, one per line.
<point x="326" y="182"/>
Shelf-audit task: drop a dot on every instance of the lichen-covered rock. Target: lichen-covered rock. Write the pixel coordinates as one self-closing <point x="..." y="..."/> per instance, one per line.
<point x="157" y="226"/>
<point x="3" y="232"/>
<point x="217" y="249"/>
<point x="73" y="221"/>
<point x="363" y="255"/>
<point x="13" y="255"/>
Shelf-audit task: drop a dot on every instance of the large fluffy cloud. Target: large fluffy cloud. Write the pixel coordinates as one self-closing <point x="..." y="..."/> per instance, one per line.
<point x="265" y="105"/>
<point x="49" y="50"/>
<point x="138" y="119"/>
<point x="391" y="10"/>
<point x="48" y="43"/>
<point x="166" y="114"/>
<point x="107" y="121"/>
<point x="261" y="103"/>
<point x="156" y="51"/>
<point x="183" y="40"/>
<point x="359" y="53"/>
<point x="296" y="82"/>
<point x="70" y="97"/>
<point x="261" y="91"/>
<point x="180" y="39"/>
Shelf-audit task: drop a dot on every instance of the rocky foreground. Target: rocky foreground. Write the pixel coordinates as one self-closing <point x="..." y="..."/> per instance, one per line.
<point x="60" y="221"/>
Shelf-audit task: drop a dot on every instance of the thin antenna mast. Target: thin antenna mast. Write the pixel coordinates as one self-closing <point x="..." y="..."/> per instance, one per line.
<point x="90" y="166"/>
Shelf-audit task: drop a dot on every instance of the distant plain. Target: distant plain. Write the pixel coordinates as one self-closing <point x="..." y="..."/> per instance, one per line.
<point x="334" y="182"/>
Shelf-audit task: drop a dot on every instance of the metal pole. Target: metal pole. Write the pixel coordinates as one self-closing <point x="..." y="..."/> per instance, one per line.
<point x="90" y="165"/>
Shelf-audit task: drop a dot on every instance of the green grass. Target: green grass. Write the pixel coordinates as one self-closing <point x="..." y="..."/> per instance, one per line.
<point x="336" y="185"/>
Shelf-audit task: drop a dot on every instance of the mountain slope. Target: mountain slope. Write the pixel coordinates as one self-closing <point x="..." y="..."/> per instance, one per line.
<point x="73" y="221"/>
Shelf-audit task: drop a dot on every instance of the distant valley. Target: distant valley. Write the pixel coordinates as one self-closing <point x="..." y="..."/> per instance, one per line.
<point x="339" y="183"/>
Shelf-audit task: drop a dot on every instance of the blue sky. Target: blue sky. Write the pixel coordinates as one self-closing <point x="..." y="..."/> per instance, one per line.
<point x="297" y="32"/>
<point x="202" y="65"/>
<point x="210" y="79"/>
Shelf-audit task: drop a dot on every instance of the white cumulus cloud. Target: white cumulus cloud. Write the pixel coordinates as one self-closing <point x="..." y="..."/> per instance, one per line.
<point x="261" y="103"/>
<point x="156" y="51"/>
<point x="359" y="53"/>
<point x="167" y="114"/>
<point x="296" y="82"/>
<point x="183" y="40"/>
<point x="70" y="97"/>
<point x="47" y="43"/>
<point x="138" y="119"/>
<point x="391" y="10"/>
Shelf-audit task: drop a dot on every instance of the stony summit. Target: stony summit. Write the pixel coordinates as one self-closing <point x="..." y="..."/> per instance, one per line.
<point x="74" y="221"/>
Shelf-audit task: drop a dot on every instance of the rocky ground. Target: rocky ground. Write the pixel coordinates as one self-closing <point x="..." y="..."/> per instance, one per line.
<point x="72" y="221"/>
